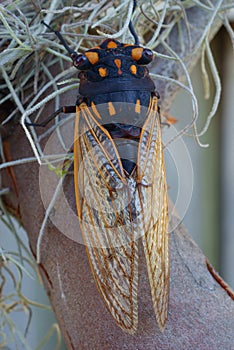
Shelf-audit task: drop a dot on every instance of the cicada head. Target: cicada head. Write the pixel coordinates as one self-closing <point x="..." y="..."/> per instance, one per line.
<point x="113" y="67"/>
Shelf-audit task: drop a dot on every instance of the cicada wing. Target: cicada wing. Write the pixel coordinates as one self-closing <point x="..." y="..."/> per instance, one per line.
<point x="153" y="193"/>
<point x="105" y="210"/>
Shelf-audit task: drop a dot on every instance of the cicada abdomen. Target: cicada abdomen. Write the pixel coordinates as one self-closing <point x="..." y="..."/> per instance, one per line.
<point x="119" y="174"/>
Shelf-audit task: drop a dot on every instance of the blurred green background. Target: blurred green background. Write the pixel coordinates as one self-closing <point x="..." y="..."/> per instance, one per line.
<point x="209" y="218"/>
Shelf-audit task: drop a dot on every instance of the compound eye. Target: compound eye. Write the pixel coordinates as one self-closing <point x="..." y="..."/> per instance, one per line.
<point x="80" y="61"/>
<point x="146" y="57"/>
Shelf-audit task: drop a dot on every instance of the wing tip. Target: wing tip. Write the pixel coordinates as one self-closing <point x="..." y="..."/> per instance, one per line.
<point x="161" y="323"/>
<point x="129" y="325"/>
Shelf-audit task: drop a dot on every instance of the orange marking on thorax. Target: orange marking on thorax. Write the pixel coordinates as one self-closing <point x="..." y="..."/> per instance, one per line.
<point x="133" y="69"/>
<point x="102" y="72"/>
<point x="111" y="107"/>
<point x="118" y="65"/>
<point x="138" y="106"/>
<point x="94" y="108"/>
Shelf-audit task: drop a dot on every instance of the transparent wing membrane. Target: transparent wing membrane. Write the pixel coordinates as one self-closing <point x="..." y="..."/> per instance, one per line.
<point x="116" y="209"/>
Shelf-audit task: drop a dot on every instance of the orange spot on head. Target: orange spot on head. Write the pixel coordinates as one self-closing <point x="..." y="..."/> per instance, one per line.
<point x="118" y="65"/>
<point x="92" y="57"/>
<point x="102" y="72"/>
<point x="133" y="69"/>
<point x="137" y="53"/>
<point x="111" y="45"/>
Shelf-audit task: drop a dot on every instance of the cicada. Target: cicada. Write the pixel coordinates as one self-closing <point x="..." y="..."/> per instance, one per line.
<point x="119" y="175"/>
